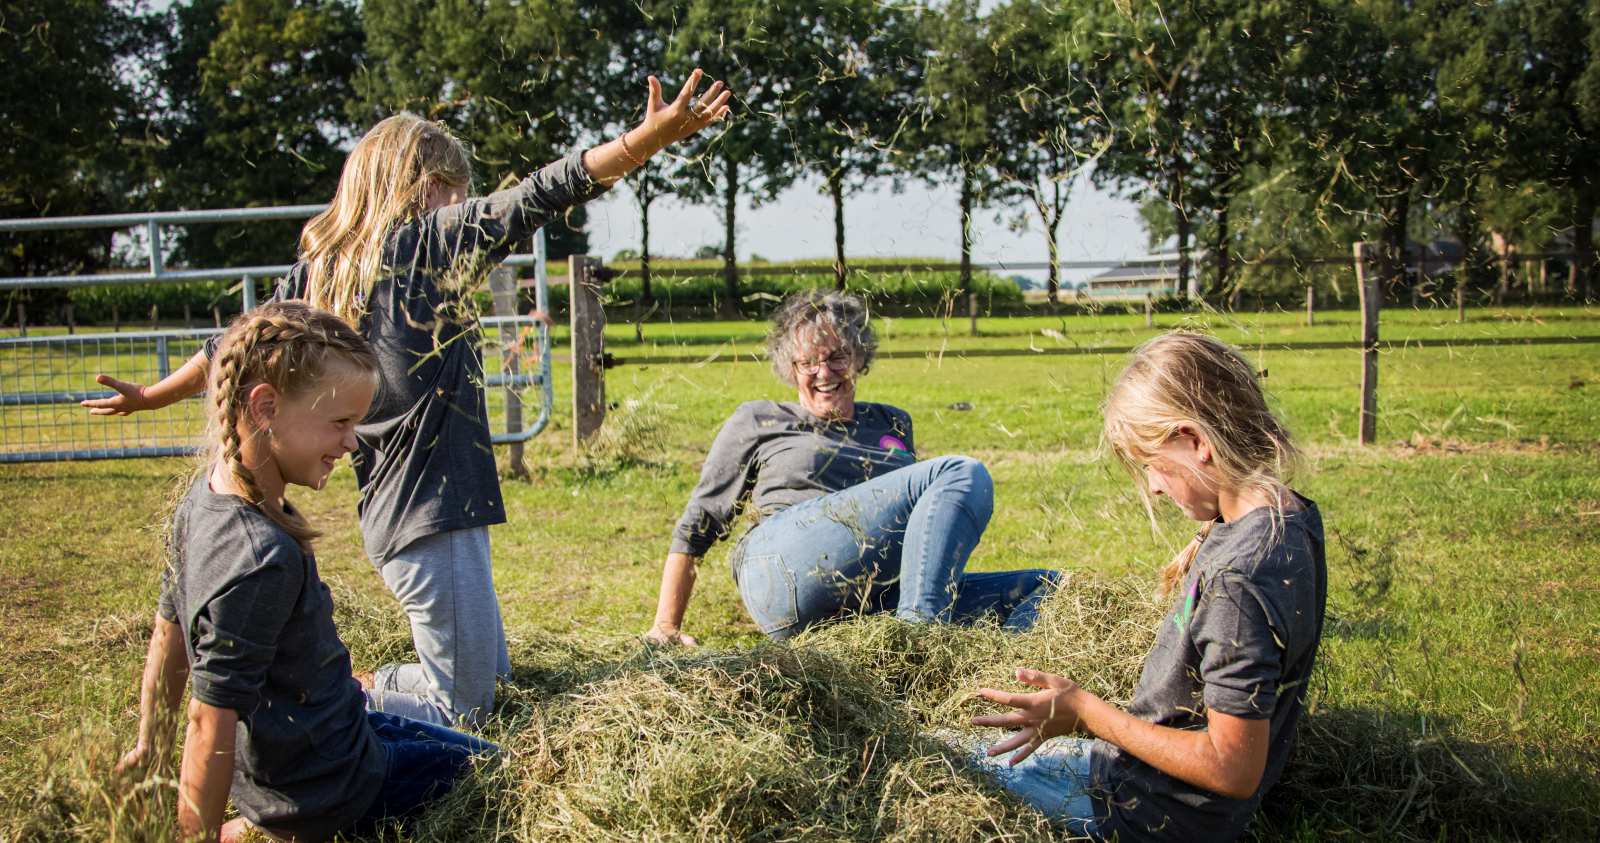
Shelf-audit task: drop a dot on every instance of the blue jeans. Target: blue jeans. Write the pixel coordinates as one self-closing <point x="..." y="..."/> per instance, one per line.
<point x="1055" y="779"/>
<point x="421" y="762"/>
<point x="898" y="542"/>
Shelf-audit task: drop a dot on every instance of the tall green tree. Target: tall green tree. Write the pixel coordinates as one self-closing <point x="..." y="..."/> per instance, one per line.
<point x="1553" y="105"/>
<point x="744" y="43"/>
<point x="953" y="130"/>
<point x="855" y="67"/>
<point x="509" y="76"/>
<point x="1049" y="113"/>
<point x="1190" y="85"/>
<point x="640" y="33"/>
<point x="253" y="113"/>
<point x="1363" y="119"/>
<point x="72" y="121"/>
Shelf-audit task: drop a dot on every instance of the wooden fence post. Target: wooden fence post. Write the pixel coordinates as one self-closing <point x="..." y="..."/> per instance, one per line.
<point x="216" y="315"/>
<point x="1311" y="306"/>
<point x="503" y="289"/>
<point x="22" y="319"/>
<point x="1369" y="289"/>
<point x="155" y="317"/>
<point x="1149" y="310"/>
<point x="72" y="319"/>
<point x="972" y="311"/>
<point x="588" y="321"/>
<point x="1461" y="298"/>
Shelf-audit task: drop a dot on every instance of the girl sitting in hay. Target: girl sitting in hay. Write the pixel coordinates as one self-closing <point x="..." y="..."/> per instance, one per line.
<point x="1213" y="718"/>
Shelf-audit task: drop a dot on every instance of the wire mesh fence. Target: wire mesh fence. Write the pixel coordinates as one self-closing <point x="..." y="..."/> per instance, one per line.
<point x="42" y="379"/>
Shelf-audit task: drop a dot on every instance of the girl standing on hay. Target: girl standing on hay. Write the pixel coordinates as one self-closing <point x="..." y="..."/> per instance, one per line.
<point x="275" y="717"/>
<point x="1212" y="721"/>
<point x="396" y="254"/>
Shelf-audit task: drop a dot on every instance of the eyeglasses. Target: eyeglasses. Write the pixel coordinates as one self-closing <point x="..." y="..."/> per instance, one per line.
<point x="838" y="361"/>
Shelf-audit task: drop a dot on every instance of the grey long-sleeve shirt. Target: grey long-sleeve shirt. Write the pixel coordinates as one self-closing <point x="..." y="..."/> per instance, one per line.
<point x="425" y="462"/>
<point x="777" y="455"/>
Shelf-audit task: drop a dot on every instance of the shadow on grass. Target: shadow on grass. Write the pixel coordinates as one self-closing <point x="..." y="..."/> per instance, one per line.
<point x="1378" y="774"/>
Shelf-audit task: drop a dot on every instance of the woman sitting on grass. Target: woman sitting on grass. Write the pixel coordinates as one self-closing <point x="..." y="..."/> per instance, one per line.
<point x="850" y="521"/>
<point x="1212" y="721"/>
<point x="275" y="716"/>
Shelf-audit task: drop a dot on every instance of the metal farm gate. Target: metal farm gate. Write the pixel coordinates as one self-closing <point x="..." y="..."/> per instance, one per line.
<point x="44" y="376"/>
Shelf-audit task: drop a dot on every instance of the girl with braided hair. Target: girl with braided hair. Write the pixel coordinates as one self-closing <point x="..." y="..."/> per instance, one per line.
<point x="274" y="716"/>
<point x="395" y="254"/>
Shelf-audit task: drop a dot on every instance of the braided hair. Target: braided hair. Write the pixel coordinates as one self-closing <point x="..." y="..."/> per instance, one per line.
<point x="289" y="346"/>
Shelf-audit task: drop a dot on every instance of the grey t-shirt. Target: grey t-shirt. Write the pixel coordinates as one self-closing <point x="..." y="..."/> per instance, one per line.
<point x="778" y="455"/>
<point x="1241" y="639"/>
<point x="426" y="462"/>
<point x="257" y="624"/>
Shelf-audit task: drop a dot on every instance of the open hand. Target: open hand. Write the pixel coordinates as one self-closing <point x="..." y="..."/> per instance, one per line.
<point x="130" y="398"/>
<point x="1039" y="716"/>
<point x="134" y="762"/>
<point x="670" y="122"/>
<point x="670" y="638"/>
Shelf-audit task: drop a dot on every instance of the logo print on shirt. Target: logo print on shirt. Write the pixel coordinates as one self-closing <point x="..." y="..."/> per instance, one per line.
<point x="1181" y="617"/>
<point x="890" y="442"/>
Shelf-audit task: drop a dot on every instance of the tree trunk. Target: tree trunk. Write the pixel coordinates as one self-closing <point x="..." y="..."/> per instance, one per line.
<point x="1582" y="243"/>
<point x="1502" y="253"/>
<point x="1394" y="244"/>
<point x="836" y="191"/>
<point x="1050" y="215"/>
<point x="1224" y="260"/>
<point x="965" y="280"/>
<point x="1187" y="281"/>
<point x="646" y="295"/>
<point x="730" y="269"/>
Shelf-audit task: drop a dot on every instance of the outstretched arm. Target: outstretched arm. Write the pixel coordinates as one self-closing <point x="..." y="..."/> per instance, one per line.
<point x="677" y="583"/>
<point x="665" y="123"/>
<point x="190" y="379"/>
<point x="1228" y="757"/>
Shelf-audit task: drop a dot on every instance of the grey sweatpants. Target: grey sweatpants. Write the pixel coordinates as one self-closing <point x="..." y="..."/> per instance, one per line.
<point x="445" y="586"/>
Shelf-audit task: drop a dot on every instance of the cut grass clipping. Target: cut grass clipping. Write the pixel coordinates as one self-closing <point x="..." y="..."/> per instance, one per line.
<point x="826" y="738"/>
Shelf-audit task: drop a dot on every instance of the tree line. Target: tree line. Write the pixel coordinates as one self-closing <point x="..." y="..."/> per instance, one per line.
<point x="1259" y="134"/>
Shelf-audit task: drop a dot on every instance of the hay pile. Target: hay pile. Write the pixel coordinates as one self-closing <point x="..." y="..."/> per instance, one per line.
<point x="822" y="739"/>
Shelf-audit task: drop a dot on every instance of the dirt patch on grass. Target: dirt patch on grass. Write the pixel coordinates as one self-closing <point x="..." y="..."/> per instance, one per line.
<point x="1428" y="446"/>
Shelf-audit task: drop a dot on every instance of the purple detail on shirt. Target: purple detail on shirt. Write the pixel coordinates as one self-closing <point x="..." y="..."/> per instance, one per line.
<point x="890" y="442"/>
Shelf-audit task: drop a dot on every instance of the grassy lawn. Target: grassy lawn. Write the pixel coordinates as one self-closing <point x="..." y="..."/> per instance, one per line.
<point x="1455" y="698"/>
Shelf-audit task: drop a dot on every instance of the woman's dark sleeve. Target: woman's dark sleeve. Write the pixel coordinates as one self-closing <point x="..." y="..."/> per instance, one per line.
<point x="725" y="481"/>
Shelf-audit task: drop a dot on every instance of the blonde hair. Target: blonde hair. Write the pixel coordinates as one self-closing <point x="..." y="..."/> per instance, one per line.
<point x="386" y="179"/>
<point x="1185" y="379"/>
<point x="290" y="346"/>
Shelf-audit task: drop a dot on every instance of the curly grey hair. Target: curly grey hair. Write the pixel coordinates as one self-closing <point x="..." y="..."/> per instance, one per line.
<point x="841" y="314"/>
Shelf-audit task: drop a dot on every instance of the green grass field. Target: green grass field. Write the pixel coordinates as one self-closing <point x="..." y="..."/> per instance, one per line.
<point x="1456" y="696"/>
